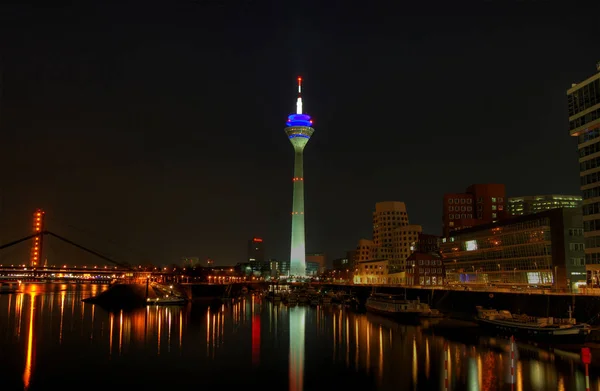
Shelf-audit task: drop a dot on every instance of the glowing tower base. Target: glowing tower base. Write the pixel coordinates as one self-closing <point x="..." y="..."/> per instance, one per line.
<point x="299" y="129"/>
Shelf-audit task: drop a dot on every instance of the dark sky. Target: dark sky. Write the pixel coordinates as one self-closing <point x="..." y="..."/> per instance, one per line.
<point x="154" y="130"/>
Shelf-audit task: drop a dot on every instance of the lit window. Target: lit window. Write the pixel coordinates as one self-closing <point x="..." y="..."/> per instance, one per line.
<point x="493" y="199"/>
<point x="494" y="215"/>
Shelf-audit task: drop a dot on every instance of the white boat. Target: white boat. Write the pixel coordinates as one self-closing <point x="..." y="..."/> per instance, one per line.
<point x="551" y="330"/>
<point x="397" y="307"/>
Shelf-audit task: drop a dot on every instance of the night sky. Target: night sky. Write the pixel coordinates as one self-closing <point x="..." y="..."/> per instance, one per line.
<point x="153" y="131"/>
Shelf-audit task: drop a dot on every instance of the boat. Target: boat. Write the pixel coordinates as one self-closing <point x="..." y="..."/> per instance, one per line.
<point x="167" y="300"/>
<point x="431" y="313"/>
<point x="549" y="330"/>
<point x="395" y="306"/>
<point x="10" y="286"/>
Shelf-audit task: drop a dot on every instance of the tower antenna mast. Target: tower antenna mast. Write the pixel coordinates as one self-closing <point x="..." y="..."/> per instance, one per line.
<point x="299" y="101"/>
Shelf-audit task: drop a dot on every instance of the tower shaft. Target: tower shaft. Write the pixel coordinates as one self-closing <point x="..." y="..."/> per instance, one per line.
<point x="298" y="248"/>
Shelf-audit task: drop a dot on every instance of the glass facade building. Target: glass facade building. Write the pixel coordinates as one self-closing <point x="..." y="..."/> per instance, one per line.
<point x="519" y="206"/>
<point x="584" y="123"/>
<point x="542" y="249"/>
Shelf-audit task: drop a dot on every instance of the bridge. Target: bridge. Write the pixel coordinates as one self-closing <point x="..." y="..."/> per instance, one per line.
<point x="33" y="272"/>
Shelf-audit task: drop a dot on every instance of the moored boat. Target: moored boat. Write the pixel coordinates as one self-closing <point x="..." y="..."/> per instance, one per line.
<point x="395" y="306"/>
<point x="549" y="330"/>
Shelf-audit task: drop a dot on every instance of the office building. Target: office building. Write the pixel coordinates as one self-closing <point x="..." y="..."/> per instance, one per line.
<point x="256" y="251"/>
<point x="519" y="206"/>
<point x="479" y="204"/>
<point x="584" y="123"/>
<point x="544" y="249"/>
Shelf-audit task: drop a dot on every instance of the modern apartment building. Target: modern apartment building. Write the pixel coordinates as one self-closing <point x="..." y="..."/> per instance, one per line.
<point x="519" y="206"/>
<point x="479" y="204"/>
<point x="584" y="123"/>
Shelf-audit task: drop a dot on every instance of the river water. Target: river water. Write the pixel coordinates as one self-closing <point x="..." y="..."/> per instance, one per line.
<point x="50" y="339"/>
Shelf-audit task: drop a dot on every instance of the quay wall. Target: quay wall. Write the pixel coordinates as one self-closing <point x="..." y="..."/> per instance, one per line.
<point x="461" y="304"/>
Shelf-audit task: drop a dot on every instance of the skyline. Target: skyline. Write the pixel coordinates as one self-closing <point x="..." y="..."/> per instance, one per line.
<point x="158" y="130"/>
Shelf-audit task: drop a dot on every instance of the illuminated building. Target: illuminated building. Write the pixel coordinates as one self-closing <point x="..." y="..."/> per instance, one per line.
<point x="37" y="246"/>
<point x="425" y="268"/>
<point x="377" y="271"/>
<point x="394" y="238"/>
<point x="536" y="249"/>
<point x="256" y="251"/>
<point x="519" y="206"/>
<point x="299" y="130"/>
<point x="318" y="261"/>
<point x="364" y="250"/>
<point x="584" y="123"/>
<point x="479" y="204"/>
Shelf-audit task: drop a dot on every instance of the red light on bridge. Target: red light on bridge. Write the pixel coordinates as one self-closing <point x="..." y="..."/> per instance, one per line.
<point x="258" y="240"/>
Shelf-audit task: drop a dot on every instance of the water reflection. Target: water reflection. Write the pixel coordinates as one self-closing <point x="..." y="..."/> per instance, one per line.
<point x="30" y="344"/>
<point x="52" y="329"/>
<point x="296" y="355"/>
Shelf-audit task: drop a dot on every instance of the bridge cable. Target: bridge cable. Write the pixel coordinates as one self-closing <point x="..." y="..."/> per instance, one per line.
<point x="123" y="265"/>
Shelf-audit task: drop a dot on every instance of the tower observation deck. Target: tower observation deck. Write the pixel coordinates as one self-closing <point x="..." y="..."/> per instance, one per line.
<point x="299" y="130"/>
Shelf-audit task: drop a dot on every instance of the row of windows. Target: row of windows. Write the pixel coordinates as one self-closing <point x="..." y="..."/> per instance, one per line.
<point x="577" y="261"/>
<point x="589" y="164"/>
<point x="576" y="246"/>
<point x="459" y="216"/>
<point x="512" y="264"/>
<point x="584" y="97"/>
<point x="584" y="119"/>
<point x="515" y="228"/>
<point x="575" y="231"/>
<point x="592" y="242"/>
<point x="390" y="212"/>
<point x="460" y="201"/>
<point x="592" y="259"/>
<point x="591" y="193"/>
<point x="591" y="225"/>
<point x="430" y="270"/>
<point x="591" y="209"/>
<point x="590" y="178"/>
<point x="587" y="136"/>
<point x="427" y="262"/>
<point x="460" y="208"/>
<point x="589" y="150"/>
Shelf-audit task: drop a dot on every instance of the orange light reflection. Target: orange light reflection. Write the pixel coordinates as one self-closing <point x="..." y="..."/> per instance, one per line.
<point x="30" y="346"/>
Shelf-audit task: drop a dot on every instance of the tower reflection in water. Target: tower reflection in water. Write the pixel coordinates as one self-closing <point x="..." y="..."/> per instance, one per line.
<point x="296" y="357"/>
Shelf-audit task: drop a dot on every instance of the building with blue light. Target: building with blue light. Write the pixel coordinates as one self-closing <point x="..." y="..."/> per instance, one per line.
<point x="299" y="130"/>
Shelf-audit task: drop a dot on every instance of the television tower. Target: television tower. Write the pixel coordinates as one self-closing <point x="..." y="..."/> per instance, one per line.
<point x="299" y="129"/>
